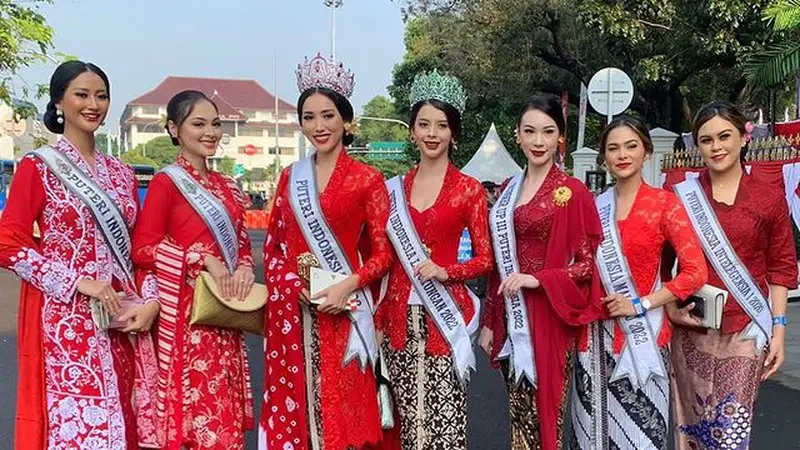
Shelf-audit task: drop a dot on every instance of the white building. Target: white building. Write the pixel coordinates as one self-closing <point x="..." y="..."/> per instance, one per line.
<point x="248" y="118"/>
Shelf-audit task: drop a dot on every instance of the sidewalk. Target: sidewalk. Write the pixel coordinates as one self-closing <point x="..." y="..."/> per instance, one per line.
<point x="789" y="374"/>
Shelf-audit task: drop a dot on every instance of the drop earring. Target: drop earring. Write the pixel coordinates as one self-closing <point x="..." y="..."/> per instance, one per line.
<point x="60" y="116"/>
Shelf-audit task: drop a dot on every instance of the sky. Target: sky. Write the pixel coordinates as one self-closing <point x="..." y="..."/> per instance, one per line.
<point x="139" y="43"/>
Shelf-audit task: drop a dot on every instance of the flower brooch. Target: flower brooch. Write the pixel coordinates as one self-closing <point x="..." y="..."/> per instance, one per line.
<point x="561" y="195"/>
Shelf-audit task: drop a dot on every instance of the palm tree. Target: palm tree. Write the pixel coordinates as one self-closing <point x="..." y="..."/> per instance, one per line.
<point x="775" y="63"/>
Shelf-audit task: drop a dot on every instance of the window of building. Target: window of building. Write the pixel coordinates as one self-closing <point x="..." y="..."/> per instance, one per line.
<point x="152" y="127"/>
<point x="150" y="110"/>
<point x="250" y="114"/>
<point x="287" y="151"/>
<point x="251" y="132"/>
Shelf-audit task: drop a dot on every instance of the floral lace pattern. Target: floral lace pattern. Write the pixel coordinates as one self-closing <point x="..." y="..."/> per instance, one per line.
<point x="355" y="201"/>
<point x="83" y="386"/>
<point x="461" y="204"/>
<point x="724" y="426"/>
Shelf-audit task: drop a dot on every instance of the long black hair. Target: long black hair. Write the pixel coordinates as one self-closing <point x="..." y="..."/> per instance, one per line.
<point x="726" y="110"/>
<point x="452" y="114"/>
<point x="342" y="105"/>
<point x="181" y="105"/>
<point x="548" y="104"/>
<point x="60" y="81"/>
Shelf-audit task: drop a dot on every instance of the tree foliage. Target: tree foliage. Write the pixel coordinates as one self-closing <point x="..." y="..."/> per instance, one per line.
<point x="779" y="60"/>
<point x="136" y="158"/>
<point x="227" y="166"/>
<point x="374" y="130"/>
<point x="25" y="39"/>
<point x="101" y="142"/>
<point x="679" y="54"/>
<point x="160" y="150"/>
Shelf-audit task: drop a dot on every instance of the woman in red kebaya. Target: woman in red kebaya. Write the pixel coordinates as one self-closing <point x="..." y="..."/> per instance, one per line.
<point x="430" y="360"/>
<point x="621" y="387"/>
<point x="717" y="372"/>
<point x="80" y="386"/>
<point x="320" y="390"/>
<point x="204" y="398"/>
<point x="545" y="233"/>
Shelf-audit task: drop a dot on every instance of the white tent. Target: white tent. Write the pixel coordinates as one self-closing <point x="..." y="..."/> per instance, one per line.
<point x="492" y="162"/>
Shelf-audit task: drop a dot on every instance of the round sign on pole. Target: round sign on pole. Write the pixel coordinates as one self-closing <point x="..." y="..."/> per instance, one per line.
<point x="610" y="91"/>
<point x="226" y="139"/>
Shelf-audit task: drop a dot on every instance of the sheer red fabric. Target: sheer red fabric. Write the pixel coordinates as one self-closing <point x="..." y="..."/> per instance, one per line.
<point x="759" y="228"/>
<point x="461" y="204"/>
<point x="354" y="202"/>
<point x="556" y="243"/>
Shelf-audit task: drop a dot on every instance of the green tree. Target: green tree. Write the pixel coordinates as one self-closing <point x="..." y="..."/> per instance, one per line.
<point x="679" y="54"/>
<point x="389" y="168"/>
<point x="135" y="158"/>
<point x="160" y="150"/>
<point x="376" y="130"/>
<point x="227" y="165"/>
<point x="780" y="59"/>
<point x="25" y="39"/>
<point x="101" y="141"/>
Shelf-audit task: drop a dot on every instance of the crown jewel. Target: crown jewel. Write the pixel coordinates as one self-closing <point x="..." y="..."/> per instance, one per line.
<point x="319" y="72"/>
<point x="434" y="86"/>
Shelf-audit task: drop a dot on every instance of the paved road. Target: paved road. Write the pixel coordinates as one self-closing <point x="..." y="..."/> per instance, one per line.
<point x="777" y="424"/>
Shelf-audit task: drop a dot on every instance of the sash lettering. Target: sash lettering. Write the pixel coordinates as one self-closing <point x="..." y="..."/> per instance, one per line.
<point x="719" y="251"/>
<point x="211" y="210"/>
<point x="304" y="200"/>
<point x="437" y="299"/>
<point x="640" y="358"/>
<point x="107" y="216"/>
<point x="518" y="346"/>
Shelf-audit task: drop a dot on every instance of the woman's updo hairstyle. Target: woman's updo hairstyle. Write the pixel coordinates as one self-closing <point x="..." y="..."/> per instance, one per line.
<point x="181" y="105"/>
<point x="342" y="105"/>
<point x="727" y="111"/>
<point x="59" y="82"/>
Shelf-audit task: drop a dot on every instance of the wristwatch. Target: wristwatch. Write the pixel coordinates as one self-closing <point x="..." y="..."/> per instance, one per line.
<point x="780" y="320"/>
<point x="646" y="304"/>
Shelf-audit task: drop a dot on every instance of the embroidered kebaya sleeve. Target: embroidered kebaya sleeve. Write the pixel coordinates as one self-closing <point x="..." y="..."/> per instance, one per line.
<point x="781" y="255"/>
<point x="151" y="229"/>
<point x="19" y="251"/>
<point x="381" y="253"/>
<point x="148" y="284"/>
<point x="477" y="219"/>
<point x="493" y="306"/>
<point x="582" y="266"/>
<point x="693" y="272"/>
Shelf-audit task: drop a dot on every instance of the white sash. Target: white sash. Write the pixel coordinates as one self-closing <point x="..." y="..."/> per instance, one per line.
<point x="211" y="210"/>
<point x="518" y="346"/>
<point x="641" y="358"/>
<point x="304" y="200"/>
<point x="437" y="299"/>
<point x="107" y="216"/>
<point x="719" y="251"/>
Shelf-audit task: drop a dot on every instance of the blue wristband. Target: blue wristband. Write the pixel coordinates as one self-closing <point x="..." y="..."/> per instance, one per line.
<point x="637" y="305"/>
<point x="780" y="320"/>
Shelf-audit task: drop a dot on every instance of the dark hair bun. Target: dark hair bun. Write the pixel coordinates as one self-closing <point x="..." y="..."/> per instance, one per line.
<point x="50" y="119"/>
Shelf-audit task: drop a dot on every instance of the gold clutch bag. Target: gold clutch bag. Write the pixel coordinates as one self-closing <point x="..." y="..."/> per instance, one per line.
<point x="209" y="308"/>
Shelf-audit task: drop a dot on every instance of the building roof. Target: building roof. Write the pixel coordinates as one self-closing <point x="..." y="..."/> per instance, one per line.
<point x="239" y="94"/>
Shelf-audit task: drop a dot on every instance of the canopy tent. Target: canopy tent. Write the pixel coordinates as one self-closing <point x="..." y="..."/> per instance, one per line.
<point x="491" y="162"/>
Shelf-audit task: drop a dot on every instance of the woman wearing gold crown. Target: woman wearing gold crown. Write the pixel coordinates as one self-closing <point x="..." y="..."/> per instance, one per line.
<point x="429" y="315"/>
<point x="545" y="233"/>
<point x="320" y="391"/>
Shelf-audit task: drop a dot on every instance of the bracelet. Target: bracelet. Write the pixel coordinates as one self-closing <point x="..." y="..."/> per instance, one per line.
<point x="637" y="305"/>
<point x="780" y="320"/>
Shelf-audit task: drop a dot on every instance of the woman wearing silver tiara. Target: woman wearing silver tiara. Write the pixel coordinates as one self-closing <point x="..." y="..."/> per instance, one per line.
<point x="545" y="233"/>
<point x="622" y="394"/>
<point x="429" y="314"/>
<point x="320" y="391"/>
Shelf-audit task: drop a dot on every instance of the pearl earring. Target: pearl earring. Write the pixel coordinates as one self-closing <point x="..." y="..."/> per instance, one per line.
<point x="60" y="114"/>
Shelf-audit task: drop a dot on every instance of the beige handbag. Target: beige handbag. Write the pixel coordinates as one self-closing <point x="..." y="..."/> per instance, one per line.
<point x="209" y="308"/>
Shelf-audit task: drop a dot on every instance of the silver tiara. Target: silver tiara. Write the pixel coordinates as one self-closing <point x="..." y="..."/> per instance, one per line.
<point x="319" y="72"/>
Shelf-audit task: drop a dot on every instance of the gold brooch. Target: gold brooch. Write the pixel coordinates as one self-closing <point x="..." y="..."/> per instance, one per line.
<point x="562" y="195"/>
<point x="305" y="262"/>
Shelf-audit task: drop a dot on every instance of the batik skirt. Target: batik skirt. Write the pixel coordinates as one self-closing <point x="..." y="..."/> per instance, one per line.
<point x="614" y="414"/>
<point x="716" y="378"/>
<point x="430" y="400"/>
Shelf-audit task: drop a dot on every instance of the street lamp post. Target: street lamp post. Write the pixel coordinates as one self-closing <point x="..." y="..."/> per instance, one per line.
<point x="144" y="130"/>
<point x="384" y="119"/>
<point x="333" y="4"/>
